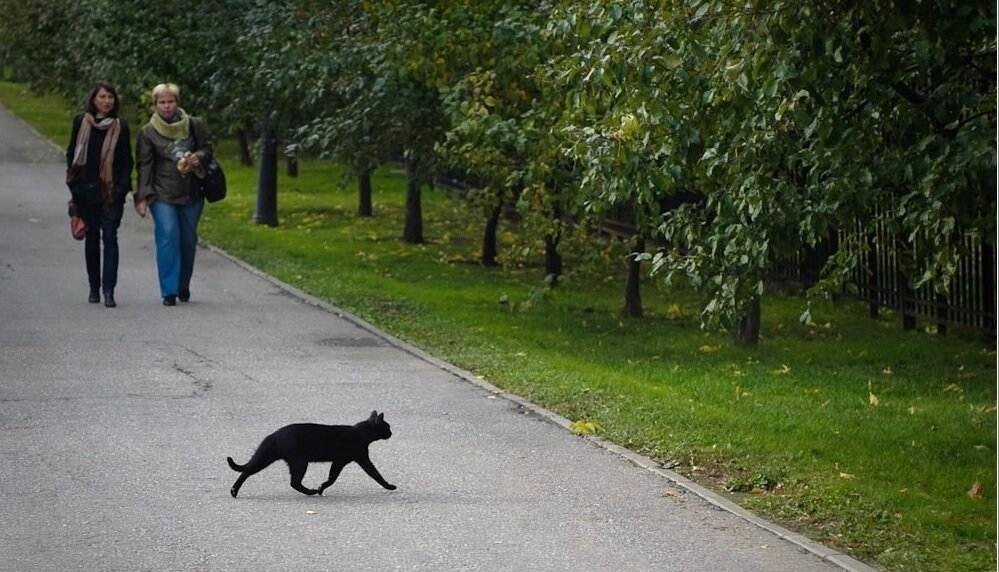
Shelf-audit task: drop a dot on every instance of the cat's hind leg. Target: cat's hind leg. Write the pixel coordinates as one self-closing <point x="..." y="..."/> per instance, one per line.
<point x="297" y="469"/>
<point x="249" y="470"/>
<point x="261" y="459"/>
<point x="334" y="473"/>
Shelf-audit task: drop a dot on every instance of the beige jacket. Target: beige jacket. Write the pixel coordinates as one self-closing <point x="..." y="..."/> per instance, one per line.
<point x="156" y="158"/>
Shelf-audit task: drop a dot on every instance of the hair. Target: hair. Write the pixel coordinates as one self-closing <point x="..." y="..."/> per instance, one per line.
<point x="166" y="89"/>
<point x="92" y="108"/>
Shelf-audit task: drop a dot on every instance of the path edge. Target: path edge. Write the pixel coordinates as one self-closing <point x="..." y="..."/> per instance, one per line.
<point x="844" y="561"/>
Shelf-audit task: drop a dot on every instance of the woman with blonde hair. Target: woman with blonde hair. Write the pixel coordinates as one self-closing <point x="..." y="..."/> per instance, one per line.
<point x="99" y="176"/>
<point x="171" y="151"/>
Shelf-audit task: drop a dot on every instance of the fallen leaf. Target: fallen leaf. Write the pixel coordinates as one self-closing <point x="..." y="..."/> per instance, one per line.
<point x="953" y="388"/>
<point x="783" y="370"/>
<point x="674" y="312"/>
<point x="873" y="399"/>
<point x="846" y="476"/>
<point x="706" y="349"/>
<point x="887" y="371"/>
<point x="585" y="427"/>
<point x="976" y="490"/>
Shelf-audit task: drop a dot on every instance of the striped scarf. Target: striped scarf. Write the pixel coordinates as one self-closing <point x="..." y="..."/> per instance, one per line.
<point x="106" y="171"/>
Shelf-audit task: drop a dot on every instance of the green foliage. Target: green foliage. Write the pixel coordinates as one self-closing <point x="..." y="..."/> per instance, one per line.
<point x="786" y="121"/>
<point x="872" y="440"/>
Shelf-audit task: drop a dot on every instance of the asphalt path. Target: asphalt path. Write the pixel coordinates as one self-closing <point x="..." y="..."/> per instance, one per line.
<point x="115" y="425"/>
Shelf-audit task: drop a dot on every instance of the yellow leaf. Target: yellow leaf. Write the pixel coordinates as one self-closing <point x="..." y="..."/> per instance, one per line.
<point x="706" y="349"/>
<point x="847" y="476"/>
<point x="887" y="371"/>
<point x="784" y="370"/>
<point x="955" y="388"/>
<point x="873" y="399"/>
<point x="585" y="427"/>
<point x="976" y="490"/>
<point x="674" y="312"/>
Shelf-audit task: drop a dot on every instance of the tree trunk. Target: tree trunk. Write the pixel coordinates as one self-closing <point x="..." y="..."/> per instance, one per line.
<point x="413" y="231"/>
<point x="245" y="157"/>
<point x="873" y="293"/>
<point x="364" y="195"/>
<point x="266" y="212"/>
<point x="748" y="333"/>
<point x="489" y="246"/>
<point x="988" y="267"/>
<point x="553" y="260"/>
<point x="907" y="302"/>
<point x="632" y="290"/>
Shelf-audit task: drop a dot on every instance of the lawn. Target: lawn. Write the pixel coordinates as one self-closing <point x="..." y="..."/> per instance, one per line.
<point x="849" y="430"/>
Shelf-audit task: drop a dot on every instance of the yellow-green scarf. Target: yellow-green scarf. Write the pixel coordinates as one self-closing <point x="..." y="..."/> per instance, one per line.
<point x="175" y="130"/>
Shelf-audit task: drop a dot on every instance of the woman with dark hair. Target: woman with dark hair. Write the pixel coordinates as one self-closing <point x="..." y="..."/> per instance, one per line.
<point x="99" y="176"/>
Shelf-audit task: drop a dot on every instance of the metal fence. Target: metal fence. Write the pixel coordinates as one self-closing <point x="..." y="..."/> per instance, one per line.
<point x="881" y="280"/>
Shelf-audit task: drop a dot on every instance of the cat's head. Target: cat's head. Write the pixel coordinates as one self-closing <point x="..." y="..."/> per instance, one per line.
<point x="381" y="429"/>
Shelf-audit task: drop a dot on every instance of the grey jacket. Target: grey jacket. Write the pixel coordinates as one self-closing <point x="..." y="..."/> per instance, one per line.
<point x="156" y="158"/>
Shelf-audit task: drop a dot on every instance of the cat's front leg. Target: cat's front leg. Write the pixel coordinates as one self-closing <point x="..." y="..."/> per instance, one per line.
<point x="369" y="468"/>
<point x="334" y="473"/>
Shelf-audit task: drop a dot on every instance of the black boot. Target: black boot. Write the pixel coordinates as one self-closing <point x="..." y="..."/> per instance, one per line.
<point x="95" y="296"/>
<point x="184" y="295"/>
<point x="109" y="299"/>
<point x="170" y="300"/>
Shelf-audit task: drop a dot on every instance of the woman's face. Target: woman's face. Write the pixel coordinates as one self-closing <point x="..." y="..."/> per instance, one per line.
<point x="103" y="101"/>
<point x="166" y="105"/>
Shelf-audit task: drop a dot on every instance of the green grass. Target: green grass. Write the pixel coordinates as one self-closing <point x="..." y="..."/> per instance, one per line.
<point x="851" y="431"/>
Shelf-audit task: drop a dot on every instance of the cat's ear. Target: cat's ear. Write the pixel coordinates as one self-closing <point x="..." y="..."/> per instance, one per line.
<point x="381" y="417"/>
<point x="374" y="416"/>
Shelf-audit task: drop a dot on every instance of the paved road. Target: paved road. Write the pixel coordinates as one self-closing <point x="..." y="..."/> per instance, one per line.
<point x="115" y="425"/>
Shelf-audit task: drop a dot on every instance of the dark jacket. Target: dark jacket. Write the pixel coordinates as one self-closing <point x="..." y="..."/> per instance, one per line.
<point x="156" y="155"/>
<point x="121" y="175"/>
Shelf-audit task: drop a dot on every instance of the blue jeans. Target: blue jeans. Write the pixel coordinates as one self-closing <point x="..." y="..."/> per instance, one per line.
<point x="176" y="233"/>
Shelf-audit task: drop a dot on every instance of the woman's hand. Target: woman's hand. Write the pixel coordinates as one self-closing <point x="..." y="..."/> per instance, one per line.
<point x="141" y="206"/>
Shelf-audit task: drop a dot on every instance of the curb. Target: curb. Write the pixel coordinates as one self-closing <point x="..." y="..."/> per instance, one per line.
<point x="843" y="561"/>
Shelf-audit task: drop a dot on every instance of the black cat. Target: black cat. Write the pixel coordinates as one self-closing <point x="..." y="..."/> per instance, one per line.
<point x="304" y="443"/>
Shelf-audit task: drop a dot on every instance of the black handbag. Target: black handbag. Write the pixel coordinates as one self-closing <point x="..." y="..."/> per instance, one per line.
<point x="212" y="186"/>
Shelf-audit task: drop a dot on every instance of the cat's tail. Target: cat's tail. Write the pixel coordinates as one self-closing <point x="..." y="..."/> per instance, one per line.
<point x="236" y="467"/>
